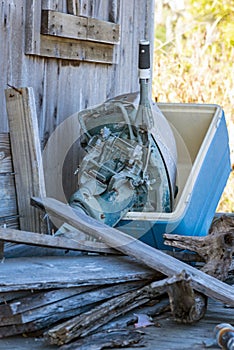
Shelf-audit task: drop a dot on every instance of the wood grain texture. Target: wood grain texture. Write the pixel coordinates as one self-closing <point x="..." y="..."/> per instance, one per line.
<point x="43" y="240"/>
<point x="88" y="322"/>
<point x="26" y="154"/>
<point x="72" y="7"/>
<point x="78" y="27"/>
<point x="78" y="50"/>
<point x="5" y="154"/>
<point x="63" y="87"/>
<point x="66" y="271"/>
<point x="66" y="303"/>
<point x="8" y="206"/>
<point x="32" y="26"/>
<point x="216" y="249"/>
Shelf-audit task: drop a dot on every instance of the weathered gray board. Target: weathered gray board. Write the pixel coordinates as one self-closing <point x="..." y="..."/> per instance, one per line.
<point x="149" y="256"/>
<point x="8" y="204"/>
<point x="60" y="272"/>
<point x="59" y="242"/>
<point x="26" y="154"/>
<point x="43" y="309"/>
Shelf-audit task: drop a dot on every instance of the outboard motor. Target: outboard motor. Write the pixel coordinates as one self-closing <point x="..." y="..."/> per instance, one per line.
<point x="130" y="157"/>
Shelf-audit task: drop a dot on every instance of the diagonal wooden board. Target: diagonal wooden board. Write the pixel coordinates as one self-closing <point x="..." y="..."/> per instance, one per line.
<point x="128" y="245"/>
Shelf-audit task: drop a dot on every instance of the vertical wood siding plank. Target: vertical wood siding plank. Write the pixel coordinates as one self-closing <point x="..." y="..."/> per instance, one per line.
<point x="113" y="15"/>
<point x="49" y="5"/>
<point x="8" y="207"/>
<point x="72" y="7"/>
<point x="32" y="26"/>
<point x="26" y="154"/>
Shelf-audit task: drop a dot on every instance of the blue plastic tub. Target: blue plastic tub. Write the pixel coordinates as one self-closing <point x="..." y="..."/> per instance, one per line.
<point x="202" y="172"/>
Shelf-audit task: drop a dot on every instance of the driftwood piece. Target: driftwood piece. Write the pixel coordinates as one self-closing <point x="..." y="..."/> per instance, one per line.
<point x="187" y="306"/>
<point x="90" y="321"/>
<point x="216" y="249"/>
<point x="149" y="256"/>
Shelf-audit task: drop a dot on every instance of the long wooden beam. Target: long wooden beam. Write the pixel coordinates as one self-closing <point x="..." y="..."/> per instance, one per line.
<point x="43" y="240"/>
<point x="149" y="256"/>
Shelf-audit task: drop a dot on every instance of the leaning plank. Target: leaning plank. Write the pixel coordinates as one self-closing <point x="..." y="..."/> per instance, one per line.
<point x="26" y="154"/>
<point x="149" y="256"/>
<point x="68" y="271"/>
<point x="43" y="240"/>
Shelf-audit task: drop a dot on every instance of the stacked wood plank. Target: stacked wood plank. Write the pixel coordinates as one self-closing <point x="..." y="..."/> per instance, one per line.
<point x="44" y="290"/>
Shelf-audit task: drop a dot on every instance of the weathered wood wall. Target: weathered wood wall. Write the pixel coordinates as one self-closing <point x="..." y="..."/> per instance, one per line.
<point x="63" y="87"/>
<point x="38" y="56"/>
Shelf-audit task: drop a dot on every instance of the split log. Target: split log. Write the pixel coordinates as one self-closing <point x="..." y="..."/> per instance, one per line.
<point x="216" y="249"/>
<point x="149" y="256"/>
<point x="90" y="321"/>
